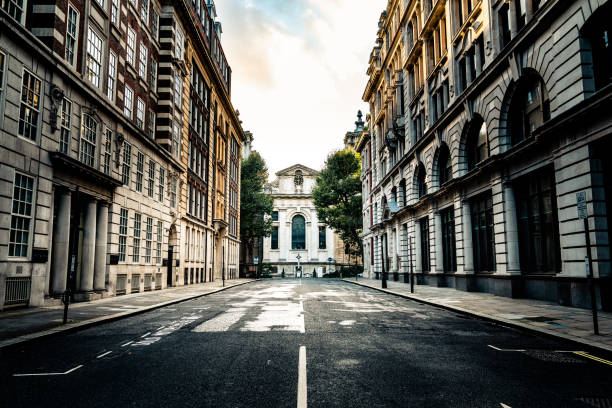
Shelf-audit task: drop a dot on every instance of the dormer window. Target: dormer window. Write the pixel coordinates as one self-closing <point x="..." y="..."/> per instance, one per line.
<point x="298" y="178"/>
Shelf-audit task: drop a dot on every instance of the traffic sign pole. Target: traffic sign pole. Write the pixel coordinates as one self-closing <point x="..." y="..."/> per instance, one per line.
<point x="588" y="260"/>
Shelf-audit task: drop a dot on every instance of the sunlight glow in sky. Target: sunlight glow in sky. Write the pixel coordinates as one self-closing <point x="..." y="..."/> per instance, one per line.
<point x="298" y="72"/>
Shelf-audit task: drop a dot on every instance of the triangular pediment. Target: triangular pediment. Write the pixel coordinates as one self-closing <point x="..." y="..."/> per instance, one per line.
<point x="290" y="171"/>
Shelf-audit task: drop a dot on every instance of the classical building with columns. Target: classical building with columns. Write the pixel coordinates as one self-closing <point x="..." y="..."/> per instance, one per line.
<point x="298" y="239"/>
<point x="98" y="106"/>
<point x="488" y="121"/>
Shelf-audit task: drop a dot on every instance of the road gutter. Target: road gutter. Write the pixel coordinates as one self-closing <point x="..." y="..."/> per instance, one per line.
<point x="74" y="327"/>
<point x="505" y="322"/>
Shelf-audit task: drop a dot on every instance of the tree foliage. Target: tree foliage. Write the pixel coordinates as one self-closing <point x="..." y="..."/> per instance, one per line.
<point x="337" y="196"/>
<point x="255" y="206"/>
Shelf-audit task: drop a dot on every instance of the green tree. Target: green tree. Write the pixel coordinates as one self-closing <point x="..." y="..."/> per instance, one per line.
<point x="255" y="205"/>
<point x="337" y="196"/>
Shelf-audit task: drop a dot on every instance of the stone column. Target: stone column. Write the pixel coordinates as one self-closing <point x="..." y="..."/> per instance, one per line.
<point x="468" y="250"/>
<point x="101" y="240"/>
<point x="61" y="240"/>
<point x="512" y="18"/>
<point x="438" y="242"/>
<point x="511" y="226"/>
<point x="89" y="248"/>
<point x="417" y="248"/>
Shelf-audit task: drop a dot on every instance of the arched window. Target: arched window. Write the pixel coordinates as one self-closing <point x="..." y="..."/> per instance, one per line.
<point x="597" y="33"/>
<point x="445" y="169"/>
<point x="476" y="143"/>
<point x="529" y="107"/>
<point x="298" y="178"/>
<point x="421" y="186"/>
<point x="298" y="232"/>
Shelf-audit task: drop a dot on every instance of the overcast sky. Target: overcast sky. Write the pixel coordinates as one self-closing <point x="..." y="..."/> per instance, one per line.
<point x="298" y="72"/>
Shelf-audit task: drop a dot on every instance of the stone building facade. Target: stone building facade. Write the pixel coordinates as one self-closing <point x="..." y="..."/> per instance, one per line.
<point x="94" y="118"/>
<point x="486" y="118"/>
<point x="296" y="230"/>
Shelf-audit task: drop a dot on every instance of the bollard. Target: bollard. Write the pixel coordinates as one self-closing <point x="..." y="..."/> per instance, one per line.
<point x="66" y="302"/>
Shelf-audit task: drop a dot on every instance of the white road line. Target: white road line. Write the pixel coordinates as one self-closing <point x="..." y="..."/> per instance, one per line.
<point x="145" y="335"/>
<point x="302" y="400"/>
<point x="127" y="344"/>
<point x="504" y="405"/>
<point x="105" y="354"/>
<point x="499" y="349"/>
<point x="45" y="374"/>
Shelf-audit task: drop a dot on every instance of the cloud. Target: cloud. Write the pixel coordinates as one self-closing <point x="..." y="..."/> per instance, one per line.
<point x="298" y="72"/>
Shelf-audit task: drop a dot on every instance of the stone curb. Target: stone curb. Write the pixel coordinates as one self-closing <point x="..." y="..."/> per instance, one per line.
<point x="73" y="327"/>
<point x="506" y="322"/>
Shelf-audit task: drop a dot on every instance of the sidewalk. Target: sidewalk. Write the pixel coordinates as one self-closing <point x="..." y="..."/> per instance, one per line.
<point x="548" y="318"/>
<point x="21" y="325"/>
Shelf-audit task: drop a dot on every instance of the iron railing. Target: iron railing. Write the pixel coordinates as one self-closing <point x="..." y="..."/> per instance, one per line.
<point x="17" y="291"/>
<point x="147" y="281"/>
<point x="135" y="282"/>
<point x="121" y="284"/>
<point x="158" y="281"/>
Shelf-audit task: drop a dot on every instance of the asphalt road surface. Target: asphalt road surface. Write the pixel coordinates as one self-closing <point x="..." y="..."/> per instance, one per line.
<point x="304" y="343"/>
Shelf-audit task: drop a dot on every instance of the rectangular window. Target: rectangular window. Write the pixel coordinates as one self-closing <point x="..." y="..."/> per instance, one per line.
<point x="115" y="6"/>
<point x="106" y="164"/>
<point x="449" y="251"/>
<point x="123" y="230"/>
<point x="127" y="162"/>
<point x="72" y="35"/>
<point x="144" y="11"/>
<point x="139" y="171"/>
<point x="424" y="227"/>
<point x="483" y="236"/>
<point x="30" y="106"/>
<point x="162" y="177"/>
<point x="94" y="57"/>
<point x="176" y="140"/>
<point x="112" y="75"/>
<point x="179" y="39"/>
<point x="151" y="124"/>
<point x="142" y="61"/>
<point x="155" y="25"/>
<point x="148" y="239"/>
<point x="131" y="46"/>
<point x="172" y="192"/>
<point x="151" y="180"/>
<point x="136" y="244"/>
<point x="21" y="216"/>
<point x="140" y="112"/>
<point x="15" y="9"/>
<point x="64" y="142"/>
<point x="87" y="146"/>
<point x="128" y="101"/>
<point x="538" y="226"/>
<point x="153" y="75"/>
<point x="322" y="238"/>
<point x="178" y="90"/>
<point x="160" y="239"/>
<point x="274" y="238"/>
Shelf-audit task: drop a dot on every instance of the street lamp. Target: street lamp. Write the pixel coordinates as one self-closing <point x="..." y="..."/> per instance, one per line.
<point x="298" y="257"/>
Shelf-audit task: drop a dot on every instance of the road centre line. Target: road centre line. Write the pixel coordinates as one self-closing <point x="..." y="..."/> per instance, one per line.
<point x="47" y="374"/>
<point x="145" y="335"/>
<point x="594" y="358"/>
<point x="127" y="344"/>
<point x="302" y="397"/>
<point x="104" y="354"/>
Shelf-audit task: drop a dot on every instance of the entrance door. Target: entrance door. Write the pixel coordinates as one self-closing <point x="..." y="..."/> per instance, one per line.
<point x="170" y="262"/>
<point x="75" y="243"/>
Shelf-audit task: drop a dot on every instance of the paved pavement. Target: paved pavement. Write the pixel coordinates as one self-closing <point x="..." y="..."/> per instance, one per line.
<point x="19" y="325"/>
<point x="544" y="317"/>
<point x="319" y="342"/>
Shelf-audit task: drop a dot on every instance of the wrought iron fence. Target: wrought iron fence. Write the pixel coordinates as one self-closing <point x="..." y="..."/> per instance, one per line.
<point x="17" y="291"/>
<point x="121" y="284"/>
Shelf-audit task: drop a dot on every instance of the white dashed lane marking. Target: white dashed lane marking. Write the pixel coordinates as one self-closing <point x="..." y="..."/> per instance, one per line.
<point x="302" y="393"/>
<point x="48" y="374"/>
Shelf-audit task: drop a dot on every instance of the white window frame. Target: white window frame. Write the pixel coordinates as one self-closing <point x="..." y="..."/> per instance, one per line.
<point x="65" y="126"/>
<point x="112" y="75"/>
<point x="179" y="40"/>
<point x="176" y="140"/>
<point x="27" y="107"/>
<point x="123" y="232"/>
<point x="128" y="101"/>
<point x="130" y="53"/>
<point x="178" y="90"/>
<point x="144" y="11"/>
<point x="88" y="157"/>
<point x="143" y="57"/>
<point x="94" y="75"/>
<point x="115" y="11"/>
<point x="21" y="9"/>
<point x="140" y="112"/>
<point x="136" y="237"/>
<point x="24" y="215"/>
<point x="72" y="38"/>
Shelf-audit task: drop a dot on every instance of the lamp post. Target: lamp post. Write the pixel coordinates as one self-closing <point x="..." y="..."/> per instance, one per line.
<point x="298" y="257"/>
